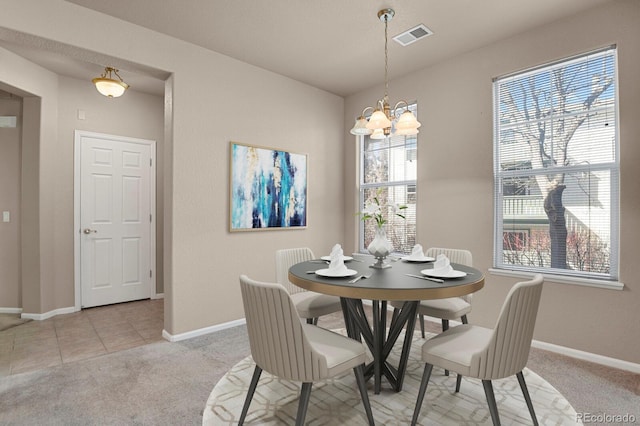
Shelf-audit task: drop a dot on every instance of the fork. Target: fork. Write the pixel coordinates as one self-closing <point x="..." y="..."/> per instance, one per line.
<point x="358" y="278"/>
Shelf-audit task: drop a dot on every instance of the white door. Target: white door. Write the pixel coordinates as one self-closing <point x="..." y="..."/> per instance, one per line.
<point x="115" y="219"/>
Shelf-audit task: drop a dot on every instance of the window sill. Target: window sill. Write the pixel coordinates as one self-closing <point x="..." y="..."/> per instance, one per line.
<point x="587" y="282"/>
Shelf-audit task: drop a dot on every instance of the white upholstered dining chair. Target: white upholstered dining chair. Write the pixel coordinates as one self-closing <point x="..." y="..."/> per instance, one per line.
<point x="310" y="305"/>
<point x="286" y="347"/>
<point x="486" y="354"/>
<point x="450" y="308"/>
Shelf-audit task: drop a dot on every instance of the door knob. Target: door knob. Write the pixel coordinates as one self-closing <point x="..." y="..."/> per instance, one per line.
<point x="89" y="231"/>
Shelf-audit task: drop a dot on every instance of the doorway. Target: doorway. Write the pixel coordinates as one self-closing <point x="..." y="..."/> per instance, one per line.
<point x="114" y="194"/>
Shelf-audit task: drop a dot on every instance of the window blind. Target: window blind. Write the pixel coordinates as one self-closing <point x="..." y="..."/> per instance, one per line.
<point x="556" y="168"/>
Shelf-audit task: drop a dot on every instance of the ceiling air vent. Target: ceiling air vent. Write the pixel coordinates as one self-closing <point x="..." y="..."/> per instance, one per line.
<point x="413" y="35"/>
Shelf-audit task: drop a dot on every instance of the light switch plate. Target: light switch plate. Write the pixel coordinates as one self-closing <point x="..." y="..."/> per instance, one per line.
<point x="8" y="121"/>
<point x="6" y="216"/>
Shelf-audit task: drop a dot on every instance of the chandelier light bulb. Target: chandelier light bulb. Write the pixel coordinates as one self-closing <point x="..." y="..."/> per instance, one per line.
<point x="378" y="120"/>
<point x="378" y="134"/>
<point x="360" y="128"/>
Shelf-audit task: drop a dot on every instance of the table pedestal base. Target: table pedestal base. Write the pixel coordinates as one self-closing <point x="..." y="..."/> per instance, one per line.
<point x="379" y="341"/>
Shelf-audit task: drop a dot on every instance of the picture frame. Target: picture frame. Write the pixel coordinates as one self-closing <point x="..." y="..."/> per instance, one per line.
<point x="267" y="189"/>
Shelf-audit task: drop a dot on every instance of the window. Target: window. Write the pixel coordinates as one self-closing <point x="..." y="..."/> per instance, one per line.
<point x="388" y="168"/>
<point x="556" y="167"/>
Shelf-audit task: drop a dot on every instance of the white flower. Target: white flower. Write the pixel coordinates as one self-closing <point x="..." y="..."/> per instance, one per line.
<point x="374" y="210"/>
<point x="371" y="209"/>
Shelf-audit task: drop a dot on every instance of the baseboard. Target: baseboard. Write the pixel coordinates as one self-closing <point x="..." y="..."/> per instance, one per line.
<point x="202" y="331"/>
<point x="47" y="315"/>
<point x="61" y="311"/>
<point x="588" y="356"/>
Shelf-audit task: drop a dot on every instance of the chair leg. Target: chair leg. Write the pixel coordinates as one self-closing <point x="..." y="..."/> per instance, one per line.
<point x="252" y="388"/>
<point x="458" y="382"/>
<point x="527" y="397"/>
<point x="423" y="389"/>
<point x="303" y="403"/>
<point x="445" y="327"/>
<point x="422" y="325"/>
<point x="491" y="400"/>
<point x="359" y="372"/>
<point x="464" y="319"/>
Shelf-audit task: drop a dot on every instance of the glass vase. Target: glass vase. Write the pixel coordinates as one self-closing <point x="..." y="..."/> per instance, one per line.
<point x="380" y="248"/>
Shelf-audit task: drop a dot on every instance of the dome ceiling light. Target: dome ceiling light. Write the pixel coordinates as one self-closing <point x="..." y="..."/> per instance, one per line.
<point x="108" y="86"/>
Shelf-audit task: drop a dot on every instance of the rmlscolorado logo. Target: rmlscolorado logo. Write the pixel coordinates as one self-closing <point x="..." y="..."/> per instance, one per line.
<point x="601" y="418"/>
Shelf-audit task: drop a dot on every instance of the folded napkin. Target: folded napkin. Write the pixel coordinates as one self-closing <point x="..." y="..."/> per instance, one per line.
<point x="337" y="260"/>
<point x="416" y="252"/>
<point x="442" y="265"/>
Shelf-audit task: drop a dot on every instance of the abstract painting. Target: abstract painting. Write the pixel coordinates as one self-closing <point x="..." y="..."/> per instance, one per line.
<point x="268" y="188"/>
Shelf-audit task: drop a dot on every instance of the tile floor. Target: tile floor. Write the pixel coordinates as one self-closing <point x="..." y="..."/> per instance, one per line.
<point x="89" y="333"/>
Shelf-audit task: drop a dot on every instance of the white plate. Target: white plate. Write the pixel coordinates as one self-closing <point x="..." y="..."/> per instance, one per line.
<point x="452" y="274"/>
<point x="418" y="259"/>
<point x="344" y="258"/>
<point x="332" y="274"/>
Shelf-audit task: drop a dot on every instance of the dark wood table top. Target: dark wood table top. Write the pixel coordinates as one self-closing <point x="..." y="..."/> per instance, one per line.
<point x="386" y="284"/>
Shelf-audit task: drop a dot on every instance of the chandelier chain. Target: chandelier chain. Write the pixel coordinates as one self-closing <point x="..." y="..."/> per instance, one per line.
<point x="386" y="59"/>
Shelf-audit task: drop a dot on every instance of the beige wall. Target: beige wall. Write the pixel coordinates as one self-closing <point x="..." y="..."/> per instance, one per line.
<point x="212" y="100"/>
<point x="251" y="106"/>
<point x="246" y="104"/>
<point x="10" y="201"/>
<point x="38" y="87"/>
<point x="455" y="181"/>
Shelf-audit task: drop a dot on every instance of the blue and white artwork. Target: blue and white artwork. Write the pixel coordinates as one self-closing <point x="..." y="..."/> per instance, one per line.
<point x="268" y="188"/>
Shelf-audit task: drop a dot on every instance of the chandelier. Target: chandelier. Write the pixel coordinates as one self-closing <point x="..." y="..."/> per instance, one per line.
<point x="108" y="86"/>
<point x="384" y="121"/>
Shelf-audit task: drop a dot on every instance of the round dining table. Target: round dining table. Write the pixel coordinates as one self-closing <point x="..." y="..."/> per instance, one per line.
<point x="402" y="281"/>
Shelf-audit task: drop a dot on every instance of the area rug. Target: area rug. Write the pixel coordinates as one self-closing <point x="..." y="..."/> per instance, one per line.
<point x="337" y="401"/>
<point x="11" y="320"/>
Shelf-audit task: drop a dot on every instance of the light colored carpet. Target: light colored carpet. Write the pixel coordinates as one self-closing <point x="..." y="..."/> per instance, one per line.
<point x="168" y="384"/>
<point x="11" y="320"/>
<point x="337" y="401"/>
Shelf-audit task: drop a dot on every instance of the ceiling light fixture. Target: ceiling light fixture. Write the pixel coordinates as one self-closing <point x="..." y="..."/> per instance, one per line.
<point x="379" y="125"/>
<point x="109" y="86"/>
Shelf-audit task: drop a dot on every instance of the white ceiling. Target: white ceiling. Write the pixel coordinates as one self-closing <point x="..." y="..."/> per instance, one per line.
<point x="335" y="45"/>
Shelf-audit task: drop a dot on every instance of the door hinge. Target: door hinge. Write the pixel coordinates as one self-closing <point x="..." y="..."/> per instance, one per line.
<point x="150" y="162"/>
<point x="150" y="218"/>
<point x="150" y="273"/>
